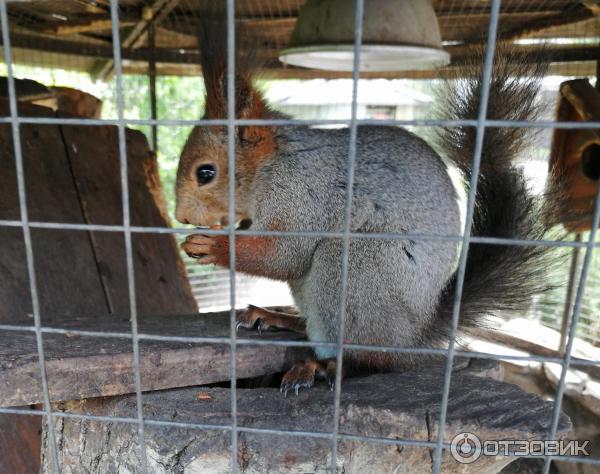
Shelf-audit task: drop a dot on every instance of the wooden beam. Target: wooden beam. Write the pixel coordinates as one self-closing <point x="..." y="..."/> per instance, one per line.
<point x="81" y="367"/>
<point x="282" y="27"/>
<point x="593" y="5"/>
<point x="85" y="25"/>
<point x="41" y="43"/>
<point x="94" y="6"/>
<point x="154" y="13"/>
<point x="482" y="8"/>
<point x="571" y="14"/>
<point x="513" y="342"/>
<point x="176" y="60"/>
<point x="19" y="40"/>
<point x="171" y="69"/>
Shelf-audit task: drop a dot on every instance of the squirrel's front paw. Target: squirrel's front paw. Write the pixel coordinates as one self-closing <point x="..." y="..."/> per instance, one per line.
<point x="207" y="249"/>
<point x="251" y="318"/>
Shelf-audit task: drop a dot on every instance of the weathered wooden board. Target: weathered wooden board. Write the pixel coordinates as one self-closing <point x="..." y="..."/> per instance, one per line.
<point x="81" y="367"/>
<point x="20" y="443"/>
<point x="394" y="406"/>
<point x="66" y="273"/>
<point x="160" y="277"/>
<point x="72" y="175"/>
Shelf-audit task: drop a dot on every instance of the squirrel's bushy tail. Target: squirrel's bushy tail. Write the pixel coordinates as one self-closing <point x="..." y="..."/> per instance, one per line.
<point x="498" y="277"/>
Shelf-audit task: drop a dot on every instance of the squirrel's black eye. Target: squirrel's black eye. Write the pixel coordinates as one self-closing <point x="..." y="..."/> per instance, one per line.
<point x="205" y="174"/>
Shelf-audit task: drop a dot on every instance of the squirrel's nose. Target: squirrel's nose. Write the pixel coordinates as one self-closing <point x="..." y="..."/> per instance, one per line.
<point x="181" y="216"/>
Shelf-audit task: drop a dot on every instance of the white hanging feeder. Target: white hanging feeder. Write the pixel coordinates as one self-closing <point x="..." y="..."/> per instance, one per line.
<point x="398" y="35"/>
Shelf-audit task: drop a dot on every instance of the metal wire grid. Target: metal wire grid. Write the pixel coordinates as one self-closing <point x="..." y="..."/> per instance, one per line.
<point x="231" y="219"/>
<point x="231" y="122"/>
<point x="358" y="17"/>
<point x="114" y="15"/>
<point x="462" y="265"/>
<point x="588" y="328"/>
<point x="25" y="225"/>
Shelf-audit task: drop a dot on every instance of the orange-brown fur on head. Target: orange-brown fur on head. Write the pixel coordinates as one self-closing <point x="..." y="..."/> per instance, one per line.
<point x="206" y="204"/>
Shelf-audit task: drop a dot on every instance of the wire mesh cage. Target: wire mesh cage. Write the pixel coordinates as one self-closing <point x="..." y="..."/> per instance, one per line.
<point x="128" y="52"/>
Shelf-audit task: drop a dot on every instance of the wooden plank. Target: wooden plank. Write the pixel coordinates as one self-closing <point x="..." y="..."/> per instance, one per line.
<point x="80" y="367"/>
<point x="152" y="13"/>
<point x="395" y="406"/>
<point x="20" y="443"/>
<point x="83" y="186"/>
<point x="15" y="298"/>
<point x="67" y="277"/>
<point x="536" y="348"/>
<point x="90" y="23"/>
<point x="94" y="49"/>
<point x="9" y="201"/>
<point x="77" y="103"/>
<point x="160" y="277"/>
<point x="27" y="90"/>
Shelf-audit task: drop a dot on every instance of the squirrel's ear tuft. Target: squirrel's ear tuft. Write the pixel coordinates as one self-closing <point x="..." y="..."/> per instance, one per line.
<point x="212" y="38"/>
<point x="257" y="141"/>
<point x="213" y="58"/>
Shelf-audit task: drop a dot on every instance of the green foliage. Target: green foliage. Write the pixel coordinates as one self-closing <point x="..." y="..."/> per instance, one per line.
<point x="177" y="98"/>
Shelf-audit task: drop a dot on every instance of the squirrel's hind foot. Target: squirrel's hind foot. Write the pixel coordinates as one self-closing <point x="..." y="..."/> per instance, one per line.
<point x="303" y="374"/>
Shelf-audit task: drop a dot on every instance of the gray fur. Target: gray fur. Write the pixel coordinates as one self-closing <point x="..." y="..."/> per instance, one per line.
<point x="401" y="185"/>
<point x="401" y="291"/>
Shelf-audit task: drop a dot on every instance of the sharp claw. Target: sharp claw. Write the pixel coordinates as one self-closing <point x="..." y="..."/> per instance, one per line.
<point x="297" y="387"/>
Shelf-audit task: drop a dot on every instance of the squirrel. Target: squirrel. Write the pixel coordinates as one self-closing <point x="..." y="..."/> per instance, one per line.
<point x="400" y="291"/>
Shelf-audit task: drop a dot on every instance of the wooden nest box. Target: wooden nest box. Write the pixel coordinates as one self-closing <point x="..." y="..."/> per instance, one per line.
<point x="575" y="156"/>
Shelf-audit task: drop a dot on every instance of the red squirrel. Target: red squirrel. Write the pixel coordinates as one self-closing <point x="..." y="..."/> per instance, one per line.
<point x="400" y="291"/>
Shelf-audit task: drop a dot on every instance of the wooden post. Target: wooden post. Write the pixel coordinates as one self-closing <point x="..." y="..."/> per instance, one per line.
<point x="152" y="78"/>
